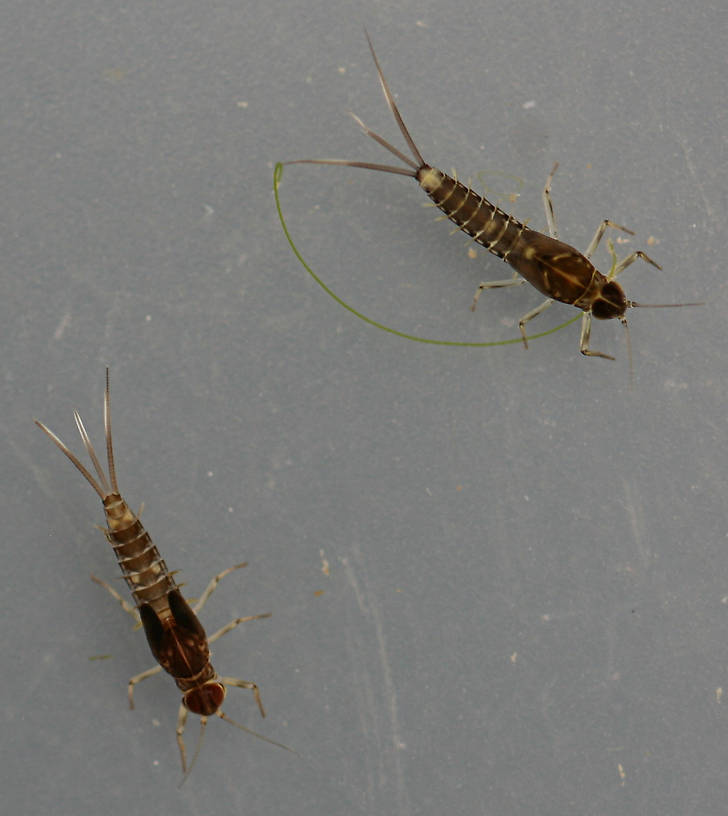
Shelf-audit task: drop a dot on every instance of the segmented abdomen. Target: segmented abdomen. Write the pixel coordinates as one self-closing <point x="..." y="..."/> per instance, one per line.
<point x="143" y="567"/>
<point x="486" y="224"/>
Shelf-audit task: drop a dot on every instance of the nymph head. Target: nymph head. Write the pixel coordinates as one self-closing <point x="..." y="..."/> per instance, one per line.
<point x="611" y="302"/>
<point x="205" y="700"/>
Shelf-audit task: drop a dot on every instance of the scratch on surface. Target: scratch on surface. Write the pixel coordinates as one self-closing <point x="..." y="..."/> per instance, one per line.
<point x="636" y="521"/>
<point x="397" y="743"/>
<point x="691" y="169"/>
<point x="23" y="456"/>
<point x="62" y="326"/>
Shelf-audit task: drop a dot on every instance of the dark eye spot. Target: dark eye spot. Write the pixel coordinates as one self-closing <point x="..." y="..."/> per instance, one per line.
<point x="601" y="310"/>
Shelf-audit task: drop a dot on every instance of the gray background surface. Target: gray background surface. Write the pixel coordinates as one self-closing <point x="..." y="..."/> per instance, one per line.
<point x="526" y="606"/>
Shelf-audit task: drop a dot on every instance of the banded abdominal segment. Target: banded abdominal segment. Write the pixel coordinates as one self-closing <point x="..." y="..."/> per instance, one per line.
<point x="477" y="217"/>
<point x="145" y="571"/>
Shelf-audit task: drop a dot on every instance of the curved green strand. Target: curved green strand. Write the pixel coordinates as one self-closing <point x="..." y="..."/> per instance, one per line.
<point x="277" y="174"/>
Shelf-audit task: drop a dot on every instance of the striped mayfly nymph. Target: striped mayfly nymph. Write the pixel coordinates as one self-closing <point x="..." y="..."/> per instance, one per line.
<point x="174" y="633"/>
<point x="555" y="268"/>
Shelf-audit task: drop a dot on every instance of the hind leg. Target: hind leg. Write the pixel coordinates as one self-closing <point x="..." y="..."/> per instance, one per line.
<point x="530" y="315"/>
<point x="125" y="605"/>
<point x="548" y="204"/>
<point x="212" y="586"/>
<point x="516" y="280"/>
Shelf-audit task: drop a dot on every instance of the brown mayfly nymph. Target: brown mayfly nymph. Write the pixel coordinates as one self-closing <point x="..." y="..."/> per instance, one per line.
<point x="174" y="633"/>
<point x="555" y="268"/>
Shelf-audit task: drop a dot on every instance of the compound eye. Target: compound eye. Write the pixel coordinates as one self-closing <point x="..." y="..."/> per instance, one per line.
<point x="602" y="310"/>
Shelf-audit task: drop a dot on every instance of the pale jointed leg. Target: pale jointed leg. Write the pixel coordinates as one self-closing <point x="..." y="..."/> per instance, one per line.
<point x="516" y="280"/>
<point x="618" y="268"/>
<point x="179" y="731"/>
<point x="125" y="605"/>
<point x="233" y="623"/>
<point x="584" y="339"/>
<point x="530" y="315"/>
<point x="245" y="684"/>
<point x="138" y="679"/>
<point x="212" y="586"/>
<point x="601" y="229"/>
<point x="548" y="204"/>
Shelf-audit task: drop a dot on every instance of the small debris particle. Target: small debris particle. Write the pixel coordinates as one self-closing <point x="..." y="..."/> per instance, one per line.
<point x="114" y="74"/>
<point x="62" y="326"/>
